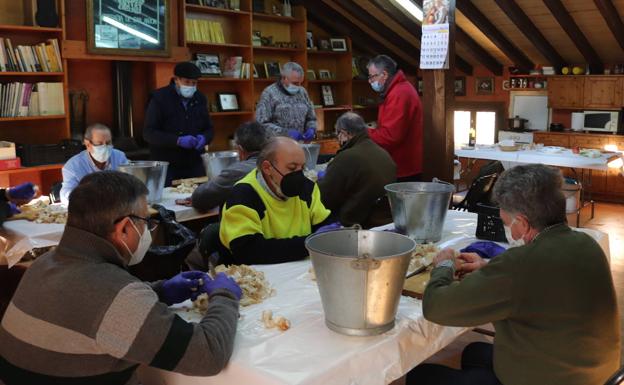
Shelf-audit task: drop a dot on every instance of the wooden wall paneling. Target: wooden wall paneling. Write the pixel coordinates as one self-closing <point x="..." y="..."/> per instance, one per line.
<point x="524" y="24"/>
<point x="551" y="139"/>
<point x="485" y="25"/>
<point x="568" y="24"/>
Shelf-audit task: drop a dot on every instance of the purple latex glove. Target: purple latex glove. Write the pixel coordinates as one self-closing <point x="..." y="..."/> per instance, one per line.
<point x="201" y="142"/>
<point x="13" y="209"/>
<point x="296" y="135"/>
<point x="182" y="287"/>
<point x="24" y="191"/>
<point x="321" y="174"/>
<point x="329" y="227"/>
<point x="308" y="135"/>
<point x="222" y="281"/>
<point x="187" y="141"/>
<point x="485" y="249"/>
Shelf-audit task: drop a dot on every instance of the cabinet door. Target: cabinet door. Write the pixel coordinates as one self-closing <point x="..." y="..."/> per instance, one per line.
<point x="602" y="92"/>
<point x="552" y="139"/>
<point x="565" y="92"/>
<point x="589" y="141"/>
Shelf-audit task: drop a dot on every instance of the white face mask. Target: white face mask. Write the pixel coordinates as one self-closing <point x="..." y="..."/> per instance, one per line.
<point x="376" y="86"/>
<point x="102" y="152"/>
<point x="292" y="89"/>
<point x="187" y="91"/>
<point x="512" y="242"/>
<point x="145" y="241"/>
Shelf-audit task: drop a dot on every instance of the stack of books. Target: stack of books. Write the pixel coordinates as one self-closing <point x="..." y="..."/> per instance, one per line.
<point x="31" y="99"/>
<point x="204" y="31"/>
<point x="42" y="57"/>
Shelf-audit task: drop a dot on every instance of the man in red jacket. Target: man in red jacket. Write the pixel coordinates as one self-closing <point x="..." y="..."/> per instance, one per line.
<point x="400" y="121"/>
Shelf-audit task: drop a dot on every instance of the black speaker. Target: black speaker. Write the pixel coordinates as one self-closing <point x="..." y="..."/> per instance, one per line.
<point x="46" y="15"/>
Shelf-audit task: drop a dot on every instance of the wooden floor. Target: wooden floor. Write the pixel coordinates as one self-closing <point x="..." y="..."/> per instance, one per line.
<point x="609" y="218"/>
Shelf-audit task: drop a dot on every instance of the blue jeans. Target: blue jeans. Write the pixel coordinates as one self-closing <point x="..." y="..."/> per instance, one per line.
<point x="477" y="369"/>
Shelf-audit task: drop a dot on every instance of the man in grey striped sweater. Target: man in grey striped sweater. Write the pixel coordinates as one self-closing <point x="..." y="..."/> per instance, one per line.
<point x="79" y="317"/>
<point x="285" y="108"/>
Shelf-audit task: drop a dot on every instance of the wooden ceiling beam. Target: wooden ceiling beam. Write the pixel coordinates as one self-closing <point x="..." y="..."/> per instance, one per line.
<point x="531" y="32"/>
<point x="507" y="47"/>
<point x="409" y="25"/>
<point x="320" y="14"/>
<point x="561" y="14"/>
<point x="330" y="28"/>
<point x="480" y="53"/>
<point x="611" y="16"/>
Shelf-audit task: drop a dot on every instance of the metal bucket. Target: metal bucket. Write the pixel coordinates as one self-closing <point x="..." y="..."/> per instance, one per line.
<point x="152" y="173"/>
<point x="419" y="208"/>
<point x="311" y="151"/>
<point x="360" y="275"/>
<point x="215" y="162"/>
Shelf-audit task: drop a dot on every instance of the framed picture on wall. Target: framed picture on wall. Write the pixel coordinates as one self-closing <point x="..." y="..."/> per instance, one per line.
<point x="338" y="44"/>
<point x="128" y="27"/>
<point x="460" y="86"/>
<point x="328" y="95"/>
<point x="227" y="101"/>
<point x="484" y="86"/>
<point x="310" y="74"/>
<point x="325" y="74"/>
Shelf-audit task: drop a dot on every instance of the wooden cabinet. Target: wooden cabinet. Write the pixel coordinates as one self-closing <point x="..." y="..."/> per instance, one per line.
<point x="602" y="92"/>
<point x="549" y="139"/>
<point x="565" y="92"/>
<point x="589" y="141"/>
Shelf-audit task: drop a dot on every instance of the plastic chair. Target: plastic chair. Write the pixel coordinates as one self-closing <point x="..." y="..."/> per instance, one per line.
<point x="479" y="192"/>
<point x="617" y="377"/>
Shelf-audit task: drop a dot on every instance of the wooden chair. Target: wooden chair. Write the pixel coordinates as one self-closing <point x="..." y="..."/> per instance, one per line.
<point x="479" y="192"/>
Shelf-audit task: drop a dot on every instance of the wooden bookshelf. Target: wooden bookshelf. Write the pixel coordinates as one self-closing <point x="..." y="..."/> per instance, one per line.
<point x="38" y="117"/>
<point x="29" y="29"/>
<point x="7" y="73"/>
<point x="277" y="18"/>
<point x="214" y="10"/>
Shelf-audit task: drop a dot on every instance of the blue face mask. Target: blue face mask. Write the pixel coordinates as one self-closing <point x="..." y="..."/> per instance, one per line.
<point x="292" y="89"/>
<point x="376" y="86"/>
<point x="187" y="91"/>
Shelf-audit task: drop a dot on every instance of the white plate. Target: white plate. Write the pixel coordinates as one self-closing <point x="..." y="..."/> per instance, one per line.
<point x="552" y="149"/>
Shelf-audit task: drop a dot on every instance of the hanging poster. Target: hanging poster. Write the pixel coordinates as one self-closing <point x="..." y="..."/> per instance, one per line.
<point x="435" y="35"/>
<point x="128" y="27"/>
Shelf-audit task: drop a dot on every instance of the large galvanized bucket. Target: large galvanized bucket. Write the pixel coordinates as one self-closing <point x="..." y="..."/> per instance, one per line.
<point x="419" y="208"/>
<point x="215" y="162"/>
<point x="311" y="151"/>
<point x="152" y="173"/>
<point x="360" y="275"/>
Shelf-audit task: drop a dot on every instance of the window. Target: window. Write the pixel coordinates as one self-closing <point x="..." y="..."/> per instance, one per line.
<point x="477" y="123"/>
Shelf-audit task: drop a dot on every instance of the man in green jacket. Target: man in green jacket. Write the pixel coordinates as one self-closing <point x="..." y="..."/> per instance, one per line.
<point x="356" y="177"/>
<point x="550" y="297"/>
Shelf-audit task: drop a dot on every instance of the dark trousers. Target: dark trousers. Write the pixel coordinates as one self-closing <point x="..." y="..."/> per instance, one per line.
<point x="410" y="178"/>
<point x="477" y="369"/>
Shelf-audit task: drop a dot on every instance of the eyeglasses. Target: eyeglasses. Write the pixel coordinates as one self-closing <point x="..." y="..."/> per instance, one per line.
<point x="151" y="223"/>
<point x="373" y="76"/>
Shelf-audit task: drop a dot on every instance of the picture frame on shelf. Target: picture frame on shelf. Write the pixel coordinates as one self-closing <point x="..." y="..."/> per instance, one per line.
<point x="338" y="44"/>
<point x="208" y="64"/>
<point x="272" y="69"/>
<point x="144" y="32"/>
<point x="484" y="86"/>
<point x="310" y="74"/>
<point x="327" y="95"/>
<point x="325" y="75"/>
<point x="256" y="39"/>
<point x="227" y="101"/>
<point x="324" y="45"/>
<point x="261" y="70"/>
<point x="460" y="86"/>
<point x="310" y="41"/>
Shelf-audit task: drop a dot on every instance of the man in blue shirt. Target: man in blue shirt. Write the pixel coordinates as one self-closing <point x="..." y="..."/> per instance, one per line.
<point x="99" y="155"/>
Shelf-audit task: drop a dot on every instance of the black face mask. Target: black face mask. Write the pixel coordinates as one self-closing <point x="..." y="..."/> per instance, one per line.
<point x="292" y="183"/>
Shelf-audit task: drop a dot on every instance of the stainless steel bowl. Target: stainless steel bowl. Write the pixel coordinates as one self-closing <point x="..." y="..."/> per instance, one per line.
<point x="215" y="162"/>
<point x="152" y="173"/>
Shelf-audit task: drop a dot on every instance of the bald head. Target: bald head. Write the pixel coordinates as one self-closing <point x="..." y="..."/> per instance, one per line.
<point x="279" y="157"/>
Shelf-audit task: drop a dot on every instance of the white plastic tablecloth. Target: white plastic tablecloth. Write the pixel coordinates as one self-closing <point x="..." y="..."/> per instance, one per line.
<point x="564" y="158"/>
<point x="25" y="235"/>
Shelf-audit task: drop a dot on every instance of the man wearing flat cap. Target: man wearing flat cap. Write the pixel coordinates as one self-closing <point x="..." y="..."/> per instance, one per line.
<point x="177" y="124"/>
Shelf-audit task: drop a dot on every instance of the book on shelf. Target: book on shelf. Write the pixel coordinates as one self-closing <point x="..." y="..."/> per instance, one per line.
<point x="31" y="99"/>
<point x="223" y="4"/>
<point x="272" y="69"/>
<point x="232" y="67"/>
<point x="204" y="31"/>
<point x="42" y="57"/>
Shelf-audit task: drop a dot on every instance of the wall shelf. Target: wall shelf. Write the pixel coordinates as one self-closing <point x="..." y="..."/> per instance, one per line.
<point x="214" y="10"/>
<point x="39" y="117"/>
<point x="31" y="73"/>
<point x="275" y="18"/>
<point x="221" y="79"/>
<point x="28" y="29"/>
<point x="278" y="49"/>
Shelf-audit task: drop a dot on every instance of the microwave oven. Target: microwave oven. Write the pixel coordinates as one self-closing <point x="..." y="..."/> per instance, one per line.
<point x="604" y="121"/>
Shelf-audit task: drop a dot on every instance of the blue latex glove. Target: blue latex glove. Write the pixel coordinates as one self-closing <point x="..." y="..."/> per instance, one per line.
<point x="180" y="288"/>
<point x="296" y="135"/>
<point x="24" y="191"/>
<point x="187" y="141"/>
<point x="485" y="249"/>
<point x="321" y="174"/>
<point x="222" y="281"/>
<point x="329" y="227"/>
<point x="201" y="142"/>
<point x="308" y="135"/>
<point x="13" y="209"/>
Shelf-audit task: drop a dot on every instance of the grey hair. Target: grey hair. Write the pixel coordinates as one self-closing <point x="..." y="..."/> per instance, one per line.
<point x="103" y="197"/>
<point x="351" y="122"/>
<point x="95" y="126"/>
<point x="251" y="136"/>
<point x="534" y="191"/>
<point x="384" y="63"/>
<point x="291" y="66"/>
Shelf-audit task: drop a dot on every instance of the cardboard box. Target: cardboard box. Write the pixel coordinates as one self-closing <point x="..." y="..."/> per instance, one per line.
<point x="9" y="164"/>
<point x="7" y="150"/>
